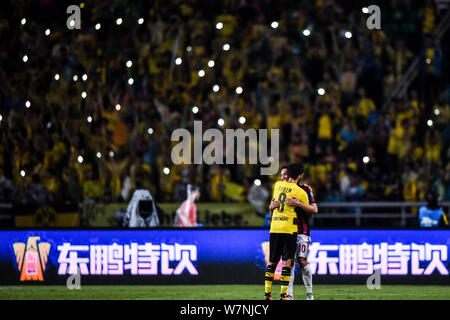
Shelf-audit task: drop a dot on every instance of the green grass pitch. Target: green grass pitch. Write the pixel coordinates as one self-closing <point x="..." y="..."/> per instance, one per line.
<point x="221" y="292"/>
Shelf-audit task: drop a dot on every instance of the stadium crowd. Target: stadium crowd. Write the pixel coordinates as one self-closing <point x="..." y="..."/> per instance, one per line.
<point x="88" y="114"/>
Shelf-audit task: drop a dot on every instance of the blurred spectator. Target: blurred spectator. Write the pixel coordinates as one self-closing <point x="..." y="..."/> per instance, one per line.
<point x="36" y="192"/>
<point x="186" y="215"/>
<point x="431" y="215"/>
<point x="141" y="211"/>
<point x="431" y="60"/>
<point x="257" y="196"/>
<point x="354" y="192"/>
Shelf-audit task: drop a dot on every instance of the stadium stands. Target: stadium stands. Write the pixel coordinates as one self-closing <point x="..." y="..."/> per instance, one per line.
<point x="78" y="121"/>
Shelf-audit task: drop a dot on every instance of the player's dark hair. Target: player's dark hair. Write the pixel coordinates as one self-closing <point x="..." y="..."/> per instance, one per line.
<point x="294" y="170"/>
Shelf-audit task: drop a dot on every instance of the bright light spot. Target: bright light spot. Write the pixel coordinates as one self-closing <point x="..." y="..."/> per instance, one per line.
<point x="1" y="117"/>
<point x="365" y="10"/>
<point x="141" y="20"/>
<point x="239" y="90"/>
<point x="201" y="73"/>
<point x="194" y="109"/>
<point x="22" y="173"/>
<point x="80" y="159"/>
<point x="321" y="91"/>
<point x="25" y="58"/>
<point x="257" y="182"/>
<point x="119" y="21"/>
<point x="216" y="88"/>
<point x="274" y="25"/>
<point x="211" y="63"/>
<point x="75" y="78"/>
<point x="242" y="120"/>
<point x="306" y="32"/>
<point x="28" y="104"/>
<point x="47" y="32"/>
<point x="129" y="64"/>
<point x="23" y="21"/>
<point x="118" y="107"/>
<point x="130" y="81"/>
<point x="226" y="47"/>
<point x="111" y="154"/>
<point x="428" y="60"/>
<point x="150" y="130"/>
<point x="72" y="23"/>
<point x="366" y="159"/>
<point x="49" y="125"/>
<point x="98" y="26"/>
<point x="56" y="77"/>
<point x="348" y="34"/>
<point x="219" y="25"/>
<point x="178" y="61"/>
<point x="99" y="155"/>
<point x="84" y="77"/>
<point x="436" y="111"/>
<point x="188" y="48"/>
<point x="220" y="122"/>
<point x="84" y="94"/>
<point x="430" y="123"/>
<point x="89" y="119"/>
<point x="166" y="170"/>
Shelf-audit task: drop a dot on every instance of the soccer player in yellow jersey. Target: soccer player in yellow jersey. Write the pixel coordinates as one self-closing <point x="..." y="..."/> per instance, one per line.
<point x="283" y="229"/>
<point x="304" y="213"/>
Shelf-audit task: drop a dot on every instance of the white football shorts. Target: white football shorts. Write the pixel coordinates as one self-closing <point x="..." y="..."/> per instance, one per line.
<point x="303" y="242"/>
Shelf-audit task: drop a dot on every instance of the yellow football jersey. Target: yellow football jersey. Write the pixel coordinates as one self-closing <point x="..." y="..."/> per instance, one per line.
<point x="284" y="218"/>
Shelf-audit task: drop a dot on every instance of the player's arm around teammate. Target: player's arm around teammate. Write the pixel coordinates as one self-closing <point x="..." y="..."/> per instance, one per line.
<point x="283" y="230"/>
<point x="273" y="205"/>
<point x="294" y="202"/>
<point x="303" y="243"/>
<point x="309" y="208"/>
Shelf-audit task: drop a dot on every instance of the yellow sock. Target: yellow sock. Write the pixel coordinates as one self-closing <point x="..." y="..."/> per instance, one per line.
<point x="285" y="278"/>
<point x="268" y="279"/>
<point x="267" y="287"/>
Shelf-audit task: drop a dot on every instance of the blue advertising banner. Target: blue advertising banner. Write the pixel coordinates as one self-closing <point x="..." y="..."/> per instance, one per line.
<point x="207" y="256"/>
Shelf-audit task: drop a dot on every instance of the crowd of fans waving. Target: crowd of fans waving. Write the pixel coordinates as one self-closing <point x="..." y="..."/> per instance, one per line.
<point x="88" y="114"/>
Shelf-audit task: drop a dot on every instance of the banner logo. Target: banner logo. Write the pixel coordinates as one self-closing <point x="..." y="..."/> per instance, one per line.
<point x="31" y="258"/>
